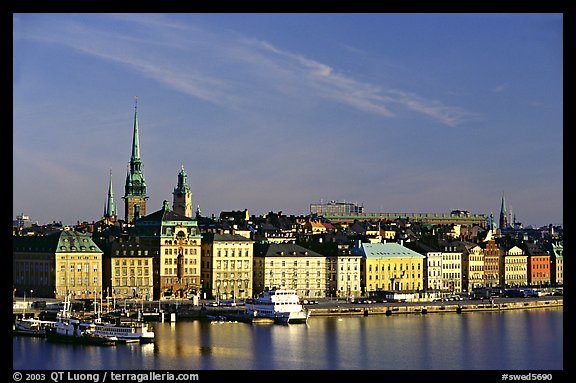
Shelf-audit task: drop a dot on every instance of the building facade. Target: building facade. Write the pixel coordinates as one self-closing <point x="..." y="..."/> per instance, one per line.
<point x="290" y="266"/>
<point x="67" y="262"/>
<point x="177" y="268"/>
<point x="391" y="267"/>
<point x="514" y="266"/>
<point x="226" y="265"/>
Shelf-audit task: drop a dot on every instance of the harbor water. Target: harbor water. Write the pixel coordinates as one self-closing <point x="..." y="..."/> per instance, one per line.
<point x="512" y="340"/>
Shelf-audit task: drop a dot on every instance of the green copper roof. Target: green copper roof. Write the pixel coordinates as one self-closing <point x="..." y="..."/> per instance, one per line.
<point x="388" y="250"/>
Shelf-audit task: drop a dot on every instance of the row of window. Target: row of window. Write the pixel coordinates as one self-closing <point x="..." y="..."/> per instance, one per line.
<point x="174" y="261"/>
<point x="133" y="272"/>
<point x="174" y="270"/>
<point x="394" y="268"/>
<point x="170" y="251"/>
<point x="132" y="262"/>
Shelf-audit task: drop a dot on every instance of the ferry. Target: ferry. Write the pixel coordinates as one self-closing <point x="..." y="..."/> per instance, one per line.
<point x="126" y="332"/>
<point x="281" y="305"/>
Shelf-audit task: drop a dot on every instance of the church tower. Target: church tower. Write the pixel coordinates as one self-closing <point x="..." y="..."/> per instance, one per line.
<point x="135" y="188"/>
<point x="110" y="213"/>
<point x="503" y="215"/>
<point x="182" y="200"/>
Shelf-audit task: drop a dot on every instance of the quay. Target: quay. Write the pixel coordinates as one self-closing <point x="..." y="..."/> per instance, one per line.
<point x="184" y="309"/>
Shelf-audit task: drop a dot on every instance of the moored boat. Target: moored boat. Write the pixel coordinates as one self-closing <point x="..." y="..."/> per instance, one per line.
<point x="126" y="332"/>
<point x="32" y="326"/>
<point x="71" y="329"/>
<point x="281" y="305"/>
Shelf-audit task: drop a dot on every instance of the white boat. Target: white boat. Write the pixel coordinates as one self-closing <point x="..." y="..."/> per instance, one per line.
<point x="126" y="332"/>
<point x="282" y="305"/>
<point x="32" y="326"/>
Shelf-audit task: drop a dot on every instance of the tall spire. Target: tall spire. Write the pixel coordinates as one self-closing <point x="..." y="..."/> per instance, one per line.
<point x="135" y="138"/>
<point x="110" y="205"/>
<point x="135" y="188"/>
<point x="503" y="215"/>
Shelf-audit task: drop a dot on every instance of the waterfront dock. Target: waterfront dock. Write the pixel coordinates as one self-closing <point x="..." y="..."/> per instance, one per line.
<point x="329" y="307"/>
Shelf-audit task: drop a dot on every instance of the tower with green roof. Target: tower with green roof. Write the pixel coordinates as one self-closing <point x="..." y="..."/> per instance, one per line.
<point x="182" y="196"/>
<point x="135" y="188"/>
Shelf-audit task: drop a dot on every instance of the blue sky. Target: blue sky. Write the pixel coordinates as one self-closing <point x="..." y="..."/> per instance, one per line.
<point x="422" y="113"/>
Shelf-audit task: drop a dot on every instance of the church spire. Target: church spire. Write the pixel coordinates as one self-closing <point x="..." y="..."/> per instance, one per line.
<point x="135" y="188"/>
<point x="503" y="215"/>
<point x="110" y="205"/>
<point x="135" y="138"/>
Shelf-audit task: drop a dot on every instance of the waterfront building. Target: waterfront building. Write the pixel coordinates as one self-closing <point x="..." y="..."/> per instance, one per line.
<point x="472" y="265"/>
<point x="557" y="260"/>
<point x="451" y="269"/>
<point x="289" y="266"/>
<point x="514" y="266"/>
<point x="390" y="266"/>
<point x="343" y="272"/>
<point x="226" y="266"/>
<point x="57" y="264"/>
<point x="135" y="188"/>
<point x="182" y="196"/>
<point x="492" y="261"/>
<point x="178" y="241"/>
<point x="433" y="283"/>
<point x="538" y="265"/>
<point x="129" y="267"/>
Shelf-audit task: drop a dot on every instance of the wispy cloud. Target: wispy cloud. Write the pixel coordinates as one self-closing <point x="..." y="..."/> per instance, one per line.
<point x="235" y="71"/>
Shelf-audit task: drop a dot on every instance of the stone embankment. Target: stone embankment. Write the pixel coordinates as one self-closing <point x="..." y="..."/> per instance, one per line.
<point x="452" y="307"/>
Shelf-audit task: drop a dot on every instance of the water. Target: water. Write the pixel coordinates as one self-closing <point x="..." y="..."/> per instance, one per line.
<point x="514" y="340"/>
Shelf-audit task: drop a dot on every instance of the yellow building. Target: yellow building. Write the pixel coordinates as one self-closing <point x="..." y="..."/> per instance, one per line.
<point x="178" y="243"/>
<point x="67" y="262"/>
<point x="131" y="270"/>
<point x="226" y="266"/>
<point x="391" y="267"/>
<point x="472" y="265"/>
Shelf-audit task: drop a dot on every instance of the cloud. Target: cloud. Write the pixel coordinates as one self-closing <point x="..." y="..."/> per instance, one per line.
<point x="231" y="70"/>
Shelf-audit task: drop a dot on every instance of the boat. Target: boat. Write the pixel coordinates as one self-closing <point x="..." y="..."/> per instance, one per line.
<point x="32" y="326"/>
<point x="282" y="305"/>
<point x="72" y="329"/>
<point x="126" y="332"/>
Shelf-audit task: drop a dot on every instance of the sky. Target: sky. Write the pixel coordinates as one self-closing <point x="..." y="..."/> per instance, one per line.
<point x="401" y="113"/>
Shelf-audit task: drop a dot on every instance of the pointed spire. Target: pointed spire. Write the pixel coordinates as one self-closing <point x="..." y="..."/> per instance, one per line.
<point x="135" y="139"/>
<point x="110" y="206"/>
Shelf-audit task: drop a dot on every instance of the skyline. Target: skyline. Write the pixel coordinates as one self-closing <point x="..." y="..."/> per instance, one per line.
<point x="417" y="113"/>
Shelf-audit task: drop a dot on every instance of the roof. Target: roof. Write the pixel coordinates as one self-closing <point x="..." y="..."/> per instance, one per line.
<point x="283" y="250"/>
<point x="66" y="241"/>
<point x="213" y="237"/>
<point x="387" y="250"/>
<point x="162" y="215"/>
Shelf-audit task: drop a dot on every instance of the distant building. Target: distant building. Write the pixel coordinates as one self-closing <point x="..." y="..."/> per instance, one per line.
<point x="334" y="208"/>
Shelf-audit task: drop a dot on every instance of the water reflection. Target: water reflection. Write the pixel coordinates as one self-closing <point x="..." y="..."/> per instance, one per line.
<point x="530" y="340"/>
